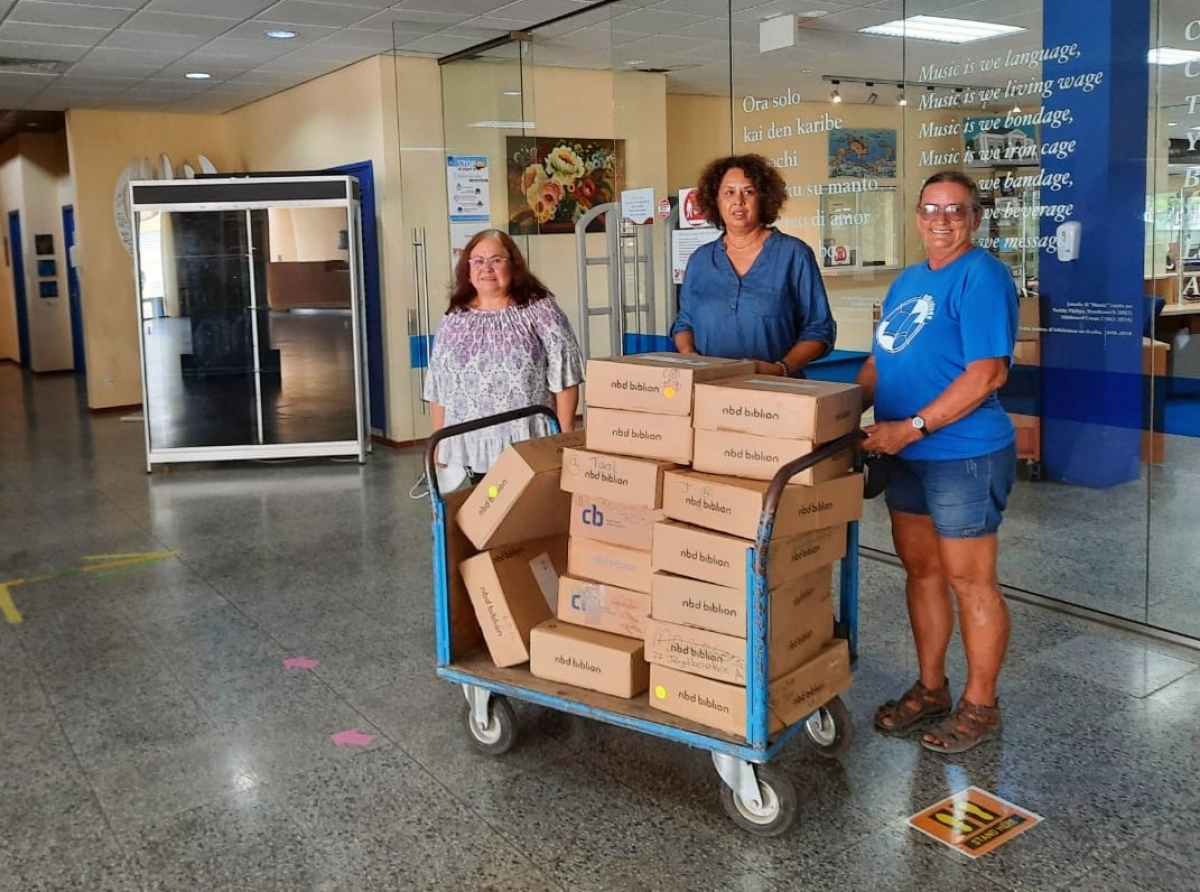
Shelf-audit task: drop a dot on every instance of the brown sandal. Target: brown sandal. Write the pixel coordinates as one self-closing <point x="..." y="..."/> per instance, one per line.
<point x="968" y="726"/>
<point x="916" y="706"/>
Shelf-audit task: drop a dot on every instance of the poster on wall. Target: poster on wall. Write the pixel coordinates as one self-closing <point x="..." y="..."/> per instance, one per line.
<point x="553" y="181"/>
<point x="460" y="234"/>
<point x="991" y="144"/>
<point x="467" y="183"/>
<point x="862" y="153"/>
<point x="684" y="243"/>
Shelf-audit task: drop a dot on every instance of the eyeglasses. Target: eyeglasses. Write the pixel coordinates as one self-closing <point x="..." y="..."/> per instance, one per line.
<point x="489" y="262"/>
<point x="955" y="213"/>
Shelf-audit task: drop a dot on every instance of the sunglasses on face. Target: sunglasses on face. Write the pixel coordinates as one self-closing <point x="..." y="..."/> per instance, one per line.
<point x="489" y="262"/>
<point x="955" y="213"/>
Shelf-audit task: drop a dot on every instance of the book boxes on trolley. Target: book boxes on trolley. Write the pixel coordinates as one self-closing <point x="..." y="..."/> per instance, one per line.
<point x="745" y="429"/>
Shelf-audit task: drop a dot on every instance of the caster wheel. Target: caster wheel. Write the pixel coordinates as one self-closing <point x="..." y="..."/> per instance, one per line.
<point x="830" y="729"/>
<point x="500" y="733"/>
<point x="778" y="808"/>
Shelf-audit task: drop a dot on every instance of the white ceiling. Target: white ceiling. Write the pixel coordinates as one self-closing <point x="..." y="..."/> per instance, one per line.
<point x="133" y="54"/>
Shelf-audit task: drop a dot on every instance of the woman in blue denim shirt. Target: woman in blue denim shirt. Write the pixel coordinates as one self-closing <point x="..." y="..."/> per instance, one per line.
<point x="755" y="293"/>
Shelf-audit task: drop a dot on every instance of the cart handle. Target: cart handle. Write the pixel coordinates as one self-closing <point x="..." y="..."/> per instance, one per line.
<point x="783" y="476"/>
<point x="467" y="427"/>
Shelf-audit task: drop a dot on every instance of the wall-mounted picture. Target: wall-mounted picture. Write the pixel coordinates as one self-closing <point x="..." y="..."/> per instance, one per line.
<point x="43" y="244"/>
<point x="48" y="289"/>
<point x="862" y="153"/>
<point x="553" y="181"/>
<point x="991" y="144"/>
<point x="47" y="267"/>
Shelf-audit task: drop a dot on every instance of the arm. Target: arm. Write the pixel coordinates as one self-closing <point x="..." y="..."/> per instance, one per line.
<point x="566" y="401"/>
<point x="960" y="399"/>
<point x="813" y="318"/>
<point x="685" y="341"/>
<point x="867" y="376"/>
<point x="437" y="421"/>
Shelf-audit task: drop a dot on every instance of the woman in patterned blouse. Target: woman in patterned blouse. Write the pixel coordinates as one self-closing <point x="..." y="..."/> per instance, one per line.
<point x="503" y="344"/>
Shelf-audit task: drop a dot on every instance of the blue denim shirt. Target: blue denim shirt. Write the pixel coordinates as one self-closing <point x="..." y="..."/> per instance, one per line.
<point x="779" y="302"/>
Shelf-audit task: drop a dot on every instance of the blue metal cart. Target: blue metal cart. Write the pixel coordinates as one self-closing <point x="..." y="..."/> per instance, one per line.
<point x="758" y="798"/>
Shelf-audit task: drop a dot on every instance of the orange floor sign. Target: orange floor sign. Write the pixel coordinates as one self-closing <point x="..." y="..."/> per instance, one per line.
<point x="974" y="821"/>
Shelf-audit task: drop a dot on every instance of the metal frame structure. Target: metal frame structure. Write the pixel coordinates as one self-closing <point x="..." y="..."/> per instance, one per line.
<point x="250" y="193"/>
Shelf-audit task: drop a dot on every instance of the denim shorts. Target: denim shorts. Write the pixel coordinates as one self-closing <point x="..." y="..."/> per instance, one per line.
<point x="965" y="497"/>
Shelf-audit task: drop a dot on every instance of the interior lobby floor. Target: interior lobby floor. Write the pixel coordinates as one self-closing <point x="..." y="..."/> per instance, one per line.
<point x="150" y="738"/>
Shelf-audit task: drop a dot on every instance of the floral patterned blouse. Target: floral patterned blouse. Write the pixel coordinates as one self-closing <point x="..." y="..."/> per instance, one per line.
<point x="489" y="361"/>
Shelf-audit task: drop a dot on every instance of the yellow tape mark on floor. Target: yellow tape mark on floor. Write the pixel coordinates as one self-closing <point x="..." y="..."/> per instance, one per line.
<point x="7" y="607"/>
<point x="116" y="562"/>
<point x="131" y="555"/>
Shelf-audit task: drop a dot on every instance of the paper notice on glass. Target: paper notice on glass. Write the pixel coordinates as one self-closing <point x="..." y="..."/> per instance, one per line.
<point x="460" y="234"/>
<point x="683" y="243"/>
<point x="467" y="184"/>
<point x="690" y="215"/>
<point x="637" y="205"/>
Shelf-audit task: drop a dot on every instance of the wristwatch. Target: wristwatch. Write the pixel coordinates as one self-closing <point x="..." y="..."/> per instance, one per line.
<point x="919" y="423"/>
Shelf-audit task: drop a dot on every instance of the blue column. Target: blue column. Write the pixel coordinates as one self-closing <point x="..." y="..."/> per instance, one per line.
<point x="1092" y="308"/>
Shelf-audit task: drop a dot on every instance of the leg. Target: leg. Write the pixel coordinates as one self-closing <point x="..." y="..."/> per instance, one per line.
<point x="931" y="616"/>
<point x="971" y="568"/>
<point x="930" y="610"/>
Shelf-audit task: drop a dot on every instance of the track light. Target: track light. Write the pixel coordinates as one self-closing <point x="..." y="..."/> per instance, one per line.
<point x="872" y="98"/>
<point x="900" y="100"/>
<point x="834" y="94"/>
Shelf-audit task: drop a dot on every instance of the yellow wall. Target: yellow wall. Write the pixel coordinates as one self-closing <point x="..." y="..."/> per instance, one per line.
<point x="102" y="144"/>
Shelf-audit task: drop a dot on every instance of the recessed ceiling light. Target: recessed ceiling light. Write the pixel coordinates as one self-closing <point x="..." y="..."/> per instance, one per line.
<point x="279" y="34"/>
<point x="1172" y="123"/>
<point x="634" y="63"/>
<point x="197" y="75"/>
<point x="512" y="92"/>
<point x="931" y="27"/>
<point x="1168" y="55"/>
<point x="505" y="125"/>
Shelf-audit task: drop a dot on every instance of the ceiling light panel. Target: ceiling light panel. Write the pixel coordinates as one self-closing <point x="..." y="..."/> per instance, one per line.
<point x="1165" y="55"/>
<point x="942" y="30"/>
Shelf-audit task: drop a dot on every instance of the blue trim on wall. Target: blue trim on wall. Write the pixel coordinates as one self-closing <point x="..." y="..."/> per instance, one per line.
<point x="419" y="348"/>
<point x="17" y="253"/>
<point x="634" y="343"/>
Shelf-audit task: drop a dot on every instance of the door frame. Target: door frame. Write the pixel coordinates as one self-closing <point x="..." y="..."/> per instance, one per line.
<point x="74" y="302"/>
<point x="17" y="249"/>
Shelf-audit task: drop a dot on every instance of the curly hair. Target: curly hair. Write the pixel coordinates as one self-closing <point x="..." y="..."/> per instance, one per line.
<point x="524" y="288"/>
<point x="770" y="185"/>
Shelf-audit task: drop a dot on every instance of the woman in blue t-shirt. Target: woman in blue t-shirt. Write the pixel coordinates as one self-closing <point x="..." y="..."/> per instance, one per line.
<point x="754" y="293"/>
<point x="941" y="351"/>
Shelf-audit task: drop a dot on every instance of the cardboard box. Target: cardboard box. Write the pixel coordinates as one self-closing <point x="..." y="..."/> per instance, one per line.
<point x="465" y="633"/>
<point x="760" y="458"/>
<point x="697" y="553"/>
<point x="513" y="588"/>
<point x="1029" y="318"/>
<point x="725" y="657"/>
<point x="629" y="526"/>
<point x="1027" y="353"/>
<point x="705" y="605"/>
<point x="662" y="437"/>
<point x="787" y="408"/>
<point x="734" y="505"/>
<point x="586" y="658"/>
<point x="604" y="607"/>
<point x="723" y="706"/>
<point x="662" y="383"/>
<point x="618" y="478"/>
<point x="628" y="568"/>
<point x="519" y="498"/>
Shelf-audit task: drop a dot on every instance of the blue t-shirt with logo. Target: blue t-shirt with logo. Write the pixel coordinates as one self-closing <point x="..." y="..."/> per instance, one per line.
<point x="934" y="323"/>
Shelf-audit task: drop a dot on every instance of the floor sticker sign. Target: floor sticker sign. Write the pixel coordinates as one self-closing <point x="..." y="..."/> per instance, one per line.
<point x="974" y="821"/>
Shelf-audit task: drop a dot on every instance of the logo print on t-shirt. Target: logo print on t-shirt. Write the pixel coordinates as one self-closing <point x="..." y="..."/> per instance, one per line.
<point x="902" y="324"/>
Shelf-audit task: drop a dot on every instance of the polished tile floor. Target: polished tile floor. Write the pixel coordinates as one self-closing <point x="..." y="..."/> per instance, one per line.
<point x="150" y="738"/>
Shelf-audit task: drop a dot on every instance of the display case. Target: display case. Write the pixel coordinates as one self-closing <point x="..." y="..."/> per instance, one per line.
<point x="1010" y="231"/>
<point x="250" y="320"/>
<point x="860" y="231"/>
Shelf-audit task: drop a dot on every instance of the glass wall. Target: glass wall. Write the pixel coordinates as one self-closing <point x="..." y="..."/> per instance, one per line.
<point x="1095" y="213"/>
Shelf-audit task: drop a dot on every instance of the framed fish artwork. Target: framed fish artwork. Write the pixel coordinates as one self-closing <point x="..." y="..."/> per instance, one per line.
<point x="869" y="153"/>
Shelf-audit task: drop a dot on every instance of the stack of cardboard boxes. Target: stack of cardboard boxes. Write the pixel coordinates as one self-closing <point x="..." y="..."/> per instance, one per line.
<point x="650" y="587"/>
<point x="639" y="427"/>
<point x="746" y="429"/>
<point x="517" y="517"/>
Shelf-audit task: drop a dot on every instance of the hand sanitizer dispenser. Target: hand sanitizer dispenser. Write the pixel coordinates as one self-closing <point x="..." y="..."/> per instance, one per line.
<point x="1067" y="240"/>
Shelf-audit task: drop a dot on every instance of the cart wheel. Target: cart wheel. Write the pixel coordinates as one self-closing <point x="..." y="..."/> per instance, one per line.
<point x="500" y="733"/>
<point x="778" y="808"/>
<point x="830" y="729"/>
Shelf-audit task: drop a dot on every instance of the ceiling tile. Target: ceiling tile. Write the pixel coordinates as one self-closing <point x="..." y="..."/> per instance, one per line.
<point x="307" y="12"/>
<point x="173" y="23"/>
<point x="229" y="9"/>
<point x="49" y="53"/>
<point x="114" y="4"/>
<point x="41" y="13"/>
<point x="139" y="40"/>
<point x="61" y="35"/>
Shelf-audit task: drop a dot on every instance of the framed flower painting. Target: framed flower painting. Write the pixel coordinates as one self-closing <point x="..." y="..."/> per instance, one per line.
<point x="553" y="181"/>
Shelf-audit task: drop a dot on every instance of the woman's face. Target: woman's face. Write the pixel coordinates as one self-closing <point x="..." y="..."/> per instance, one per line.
<point x="737" y="200"/>
<point x="489" y="265"/>
<point x="946" y="219"/>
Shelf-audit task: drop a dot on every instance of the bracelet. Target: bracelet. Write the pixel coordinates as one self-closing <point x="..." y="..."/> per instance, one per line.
<point x="787" y="373"/>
